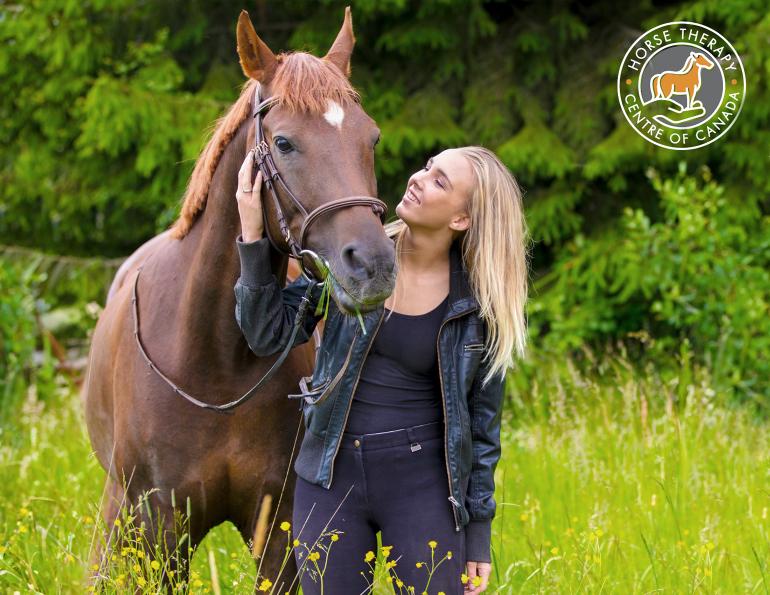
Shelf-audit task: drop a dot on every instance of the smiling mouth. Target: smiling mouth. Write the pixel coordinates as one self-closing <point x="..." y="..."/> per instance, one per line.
<point x="410" y="196"/>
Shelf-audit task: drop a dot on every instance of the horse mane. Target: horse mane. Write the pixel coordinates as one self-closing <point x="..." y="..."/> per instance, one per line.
<point x="302" y="83"/>
<point x="687" y="65"/>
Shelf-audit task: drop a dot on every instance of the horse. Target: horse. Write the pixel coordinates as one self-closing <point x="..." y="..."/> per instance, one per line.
<point x="684" y="81"/>
<point x="162" y="450"/>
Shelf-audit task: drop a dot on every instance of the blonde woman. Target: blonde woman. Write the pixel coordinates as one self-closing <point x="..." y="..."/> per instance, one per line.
<point x="416" y="453"/>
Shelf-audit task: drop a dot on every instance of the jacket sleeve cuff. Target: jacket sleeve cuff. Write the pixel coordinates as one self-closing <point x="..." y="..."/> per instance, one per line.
<point x="478" y="540"/>
<point x="255" y="262"/>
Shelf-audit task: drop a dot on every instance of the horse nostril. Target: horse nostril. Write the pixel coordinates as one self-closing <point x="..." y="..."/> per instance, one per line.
<point x="355" y="261"/>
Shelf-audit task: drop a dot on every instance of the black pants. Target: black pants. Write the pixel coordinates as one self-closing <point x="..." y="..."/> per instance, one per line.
<point x="394" y="482"/>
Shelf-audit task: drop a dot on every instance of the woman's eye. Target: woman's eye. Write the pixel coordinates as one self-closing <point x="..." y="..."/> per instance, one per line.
<point x="283" y="145"/>
<point x="439" y="184"/>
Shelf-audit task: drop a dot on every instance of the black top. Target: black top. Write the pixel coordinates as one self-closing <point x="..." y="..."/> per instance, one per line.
<point x="399" y="383"/>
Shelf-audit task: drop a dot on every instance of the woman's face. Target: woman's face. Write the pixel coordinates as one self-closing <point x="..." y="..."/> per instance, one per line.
<point x="436" y="197"/>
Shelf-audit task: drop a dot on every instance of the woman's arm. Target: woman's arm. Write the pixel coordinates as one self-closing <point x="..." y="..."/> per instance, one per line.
<point x="485" y="407"/>
<point x="264" y="311"/>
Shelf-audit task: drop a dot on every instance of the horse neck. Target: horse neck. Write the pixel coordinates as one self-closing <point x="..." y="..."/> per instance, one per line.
<point x="212" y="261"/>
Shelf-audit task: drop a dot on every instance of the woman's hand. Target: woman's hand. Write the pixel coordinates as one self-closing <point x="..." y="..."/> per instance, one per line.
<point x="480" y="569"/>
<point x="250" y="201"/>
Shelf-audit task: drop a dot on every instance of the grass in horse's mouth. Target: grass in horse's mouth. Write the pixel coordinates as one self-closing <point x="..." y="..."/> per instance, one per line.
<point x="323" y="301"/>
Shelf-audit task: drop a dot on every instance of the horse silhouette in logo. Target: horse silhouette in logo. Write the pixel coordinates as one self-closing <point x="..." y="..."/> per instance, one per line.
<point x="686" y="81"/>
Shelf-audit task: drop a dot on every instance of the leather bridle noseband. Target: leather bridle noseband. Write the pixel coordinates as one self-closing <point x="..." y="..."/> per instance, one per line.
<point x="271" y="177"/>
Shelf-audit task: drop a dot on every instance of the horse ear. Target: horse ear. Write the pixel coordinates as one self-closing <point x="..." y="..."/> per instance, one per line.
<point x="342" y="48"/>
<point x="257" y="60"/>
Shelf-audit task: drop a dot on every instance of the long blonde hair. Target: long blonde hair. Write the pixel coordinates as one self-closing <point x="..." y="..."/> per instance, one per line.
<point x="495" y="252"/>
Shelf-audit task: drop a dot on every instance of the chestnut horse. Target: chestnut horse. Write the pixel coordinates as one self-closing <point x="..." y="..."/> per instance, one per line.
<point x="685" y="81"/>
<point x="148" y="438"/>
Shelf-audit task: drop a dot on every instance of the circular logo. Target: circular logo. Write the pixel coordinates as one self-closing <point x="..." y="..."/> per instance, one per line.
<point x="681" y="85"/>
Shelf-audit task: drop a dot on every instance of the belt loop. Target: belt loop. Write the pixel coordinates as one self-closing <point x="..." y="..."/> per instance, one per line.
<point x="412" y="435"/>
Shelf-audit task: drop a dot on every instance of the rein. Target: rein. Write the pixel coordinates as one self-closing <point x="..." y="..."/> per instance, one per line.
<point x="271" y="178"/>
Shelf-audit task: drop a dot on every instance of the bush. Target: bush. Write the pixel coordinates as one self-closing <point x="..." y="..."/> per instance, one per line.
<point x="697" y="278"/>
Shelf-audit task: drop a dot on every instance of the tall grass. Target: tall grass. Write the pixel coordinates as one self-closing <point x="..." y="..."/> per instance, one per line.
<point x="614" y="482"/>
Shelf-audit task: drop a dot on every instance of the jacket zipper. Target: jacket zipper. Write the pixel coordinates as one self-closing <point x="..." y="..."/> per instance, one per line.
<point x="451" y="498"/>
<point x="350" y="401"/>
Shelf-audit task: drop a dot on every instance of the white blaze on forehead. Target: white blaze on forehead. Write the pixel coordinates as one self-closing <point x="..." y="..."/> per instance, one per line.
<point x="335" y="114"/>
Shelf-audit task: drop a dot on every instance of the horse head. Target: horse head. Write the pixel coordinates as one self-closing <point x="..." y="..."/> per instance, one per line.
<point x="322" y="143"/>
<point x="702" y="61"/>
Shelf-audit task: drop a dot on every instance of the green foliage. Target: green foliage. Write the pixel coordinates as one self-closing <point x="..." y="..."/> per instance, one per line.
<point x="20" y="337"/>
<point x="700" y="275"/>
<point x="104" y="108"/>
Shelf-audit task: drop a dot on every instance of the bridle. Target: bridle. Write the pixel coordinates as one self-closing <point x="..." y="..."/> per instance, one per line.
<point x="271" y="177"/>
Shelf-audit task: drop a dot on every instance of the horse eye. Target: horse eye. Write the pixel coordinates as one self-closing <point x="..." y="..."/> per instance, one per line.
<point x="377" y="141"/>
<point x="283" y="145"/>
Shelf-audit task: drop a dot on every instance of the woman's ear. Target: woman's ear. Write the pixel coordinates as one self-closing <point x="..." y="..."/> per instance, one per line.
<point x="460" y="223"/>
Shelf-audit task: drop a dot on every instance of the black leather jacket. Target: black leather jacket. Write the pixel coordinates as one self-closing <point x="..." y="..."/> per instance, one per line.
<point x="265" y="313"/>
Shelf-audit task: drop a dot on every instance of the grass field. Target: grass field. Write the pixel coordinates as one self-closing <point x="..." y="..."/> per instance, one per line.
<point x="611" y="484"/>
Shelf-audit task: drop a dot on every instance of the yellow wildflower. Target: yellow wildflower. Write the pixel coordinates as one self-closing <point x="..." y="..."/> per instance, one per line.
<point x="432" y="544"/>
<point x="155" y="564"/>
<point x="335" y="537"/>
<point x="369" y="556"/>
<point x="476" y="580"/>
<point x="117" y="522"/>
<point x="419" y="565"/>
<point x="285" y="526"/>
<point x="137" y="568"/>
<point x="449" y="555"/>
<point x="554" y="550"/>
<point x="141" y="582"/>
<point x="390" y="564"/>
<point x="198" y="583"/>
<point x="464" y="578"/>
<point x="295" y="543"/>
<point x="314" y="556"/>
<point x="386" y="550"/>
<point x="265" y="585"/>
<point x="523" y="516"/>
<point x="399" y="582"/>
